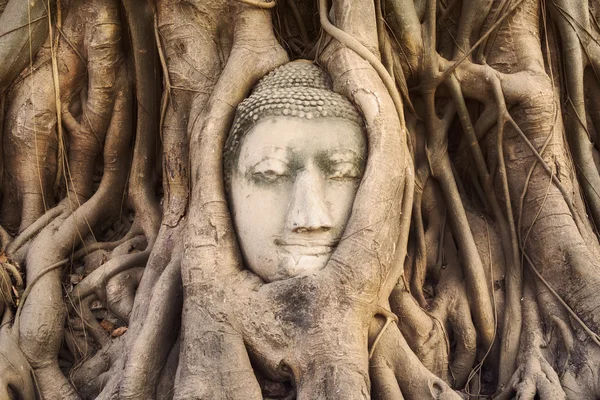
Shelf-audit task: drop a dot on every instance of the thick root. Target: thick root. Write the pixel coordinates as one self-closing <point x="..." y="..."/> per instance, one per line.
<point x="534" y="377"/>
<point x="395" y="368"/>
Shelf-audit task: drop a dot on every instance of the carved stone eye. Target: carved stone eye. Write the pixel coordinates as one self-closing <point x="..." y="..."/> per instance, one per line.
<point x="270" y="171"/>
<point x="344" y="172"/>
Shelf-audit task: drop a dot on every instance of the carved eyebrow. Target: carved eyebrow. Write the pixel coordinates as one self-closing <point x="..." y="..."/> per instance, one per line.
<point x="329" y="159"/>
<point x="340" y="156"/>
<point x="283" y="154"/>
<point x="346" y="155"/>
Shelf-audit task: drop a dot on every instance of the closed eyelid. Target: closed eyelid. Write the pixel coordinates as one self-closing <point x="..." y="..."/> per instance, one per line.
<point x="345" y="169"/>
<point x="269" y="161"/>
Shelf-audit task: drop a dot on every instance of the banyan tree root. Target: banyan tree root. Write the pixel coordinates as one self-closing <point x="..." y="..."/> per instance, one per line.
<point x="35" y="144"/>
<point x="104" y="110"/>
<point x="54" y="243"/>
<point x="88" y="45"/>
<point x="186" y="93"/>
<point x="535" y="375"/>
<point x="18" y="379"/>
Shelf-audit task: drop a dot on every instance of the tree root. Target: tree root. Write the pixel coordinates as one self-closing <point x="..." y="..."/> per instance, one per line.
<point x="395" y="368"/>
<point x="534" y="375"/>
<point x="54" y="242"/>
<point x="120" y="292"/>
<point x="142" y="368"/>
<point x="159" y="259"/>
<point x="91" y="376"/>
<point x="234" y="327"/>
<point x="17" y="379"/>
<point x="98" y="279"/>
<point x="34" y="228"/>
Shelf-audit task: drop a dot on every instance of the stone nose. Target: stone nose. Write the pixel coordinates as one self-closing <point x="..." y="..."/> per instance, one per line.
<point x="308" y="210"/>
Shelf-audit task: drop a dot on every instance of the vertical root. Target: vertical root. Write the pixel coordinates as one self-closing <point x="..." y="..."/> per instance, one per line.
<point x="142" y="369"/>
<point x="142" y="181"/>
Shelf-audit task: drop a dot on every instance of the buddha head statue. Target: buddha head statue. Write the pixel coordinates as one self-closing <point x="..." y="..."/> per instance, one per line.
<point x="293" y="162"/>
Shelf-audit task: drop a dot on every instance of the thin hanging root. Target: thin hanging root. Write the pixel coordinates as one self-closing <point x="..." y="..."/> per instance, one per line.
<point x="478" y="290"/>
<point x="300" y="24"/>
<point x="389" y="318"/>
<point x="442" y="167"/>
<point x="166" y="97"/>
<point x="16" y="41"/>
<point x="576" y="118"/>
<point x="506" y="117"/>
<point x="397" y="271"/>
<point x="593" y="335"/>
<point x="106" y="246"/>
<point x="59" y="126"/>
<point x="477" y="369"/>
<point x="546" y="167"/>
<point x="514" y="273"/>
<point x="90" y="324"/>
<point x="442" y="77"/>
<point x="420" y="263"/>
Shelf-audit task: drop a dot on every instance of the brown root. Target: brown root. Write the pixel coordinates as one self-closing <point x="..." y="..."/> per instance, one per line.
<point x="55" y="241"/>
<point x="411" y="377"/>
<point x="142" y="368"/>
<point x="535" y="375"/>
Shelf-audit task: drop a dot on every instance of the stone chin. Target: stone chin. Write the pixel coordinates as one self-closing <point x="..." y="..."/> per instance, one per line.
<point x="296" y="264"/>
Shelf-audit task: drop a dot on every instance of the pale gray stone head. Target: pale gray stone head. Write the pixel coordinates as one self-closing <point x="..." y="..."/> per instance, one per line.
<point x="293" y="162"/>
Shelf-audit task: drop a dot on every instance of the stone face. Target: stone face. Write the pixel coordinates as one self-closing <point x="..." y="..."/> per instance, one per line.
<point x="291" y="192"/>
<point x="293" y="162"/>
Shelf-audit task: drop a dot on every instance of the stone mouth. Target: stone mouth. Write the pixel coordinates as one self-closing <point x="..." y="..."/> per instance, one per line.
<point x="307" y="247"/>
